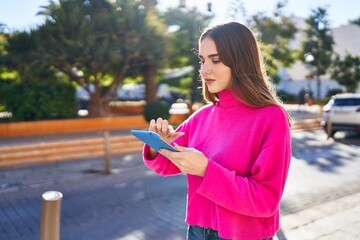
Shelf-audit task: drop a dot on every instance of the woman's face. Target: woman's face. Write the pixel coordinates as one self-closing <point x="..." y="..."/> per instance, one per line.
<point x="214" y="73"/>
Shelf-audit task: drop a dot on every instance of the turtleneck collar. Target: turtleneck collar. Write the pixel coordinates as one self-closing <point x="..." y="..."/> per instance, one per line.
<point x="228" y="100"/>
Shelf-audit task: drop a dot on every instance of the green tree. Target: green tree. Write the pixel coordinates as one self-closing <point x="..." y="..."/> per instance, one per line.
<point x="96" y="43"/>
<point x="3" y="53"/>
<point x="275" y="33"/>
<point x="17" y="57"/>
<point x="189" y="24"/>
<point x="28" y="91"/>
<point x="318" y="43"/>
<point x="347" y="71"/>
<point x="153" y="50"/>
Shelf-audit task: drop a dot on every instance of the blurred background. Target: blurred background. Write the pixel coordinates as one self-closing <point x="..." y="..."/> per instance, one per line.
<point x="115" y="51"/>
<point x="77" y="75"/>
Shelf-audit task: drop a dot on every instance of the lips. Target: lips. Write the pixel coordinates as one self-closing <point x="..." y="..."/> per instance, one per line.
<point x="209" y="80"/>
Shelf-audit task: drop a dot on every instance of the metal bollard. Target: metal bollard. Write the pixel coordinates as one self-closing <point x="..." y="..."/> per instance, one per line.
<point x="50" y="215"/>
<point x="329" y="126"/>
<point x="107" y="152"/>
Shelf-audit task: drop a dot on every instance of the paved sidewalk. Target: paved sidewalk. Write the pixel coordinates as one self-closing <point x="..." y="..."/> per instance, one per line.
<point x="334" y="220"/>
<point x="132" y="203"/>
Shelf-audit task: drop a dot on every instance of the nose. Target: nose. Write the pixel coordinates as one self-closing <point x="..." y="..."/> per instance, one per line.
<point x="205" y="70"/>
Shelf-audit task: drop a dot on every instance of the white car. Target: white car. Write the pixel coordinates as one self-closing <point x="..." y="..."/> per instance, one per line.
<point x="343" y="112"/>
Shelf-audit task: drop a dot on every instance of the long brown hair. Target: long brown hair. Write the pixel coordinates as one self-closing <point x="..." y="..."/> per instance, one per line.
<point x="239" y="50"/>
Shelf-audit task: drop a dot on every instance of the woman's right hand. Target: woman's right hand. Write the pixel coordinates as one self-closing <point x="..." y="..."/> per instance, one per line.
<point x="165" y="131"/>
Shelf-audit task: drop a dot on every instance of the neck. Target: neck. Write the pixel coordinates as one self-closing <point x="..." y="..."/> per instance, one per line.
<point x="228" y="100"/>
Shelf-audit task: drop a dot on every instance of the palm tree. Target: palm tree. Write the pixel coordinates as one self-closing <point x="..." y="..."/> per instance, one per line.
<point x="94" y="43"/>
<point x="318" y="43"/>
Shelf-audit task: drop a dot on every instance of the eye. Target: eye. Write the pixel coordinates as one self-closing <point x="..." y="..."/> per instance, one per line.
<point x="216" y="61"/>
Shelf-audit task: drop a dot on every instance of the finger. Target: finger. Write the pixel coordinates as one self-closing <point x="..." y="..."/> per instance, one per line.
<point x="158" y="124"/>
<point x="171" y="129"/>
<point x="175" y="135"/>
<point x="152" y="125"/>
<point x="165" y="126"/>
<point x="175" y="161"/>
<point x="170" y="132"/>
<point x="164" y="152"/>
<point x="169" y="154"/>
<point x="181" y="149"/>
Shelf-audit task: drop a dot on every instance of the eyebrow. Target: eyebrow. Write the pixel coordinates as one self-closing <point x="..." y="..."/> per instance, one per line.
<point x="211" y="55"/>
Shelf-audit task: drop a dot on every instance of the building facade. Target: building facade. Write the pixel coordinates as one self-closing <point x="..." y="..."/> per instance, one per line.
<point x="293" y="79"/>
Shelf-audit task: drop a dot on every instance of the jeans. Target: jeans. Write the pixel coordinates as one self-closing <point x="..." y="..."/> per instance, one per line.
<point x="199" y="233"/>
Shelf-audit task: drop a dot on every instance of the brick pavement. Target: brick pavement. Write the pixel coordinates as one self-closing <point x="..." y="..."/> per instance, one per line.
<point x="322" y="196"/>
<point x="131" y="203"/>
<point x="333" y="220"/>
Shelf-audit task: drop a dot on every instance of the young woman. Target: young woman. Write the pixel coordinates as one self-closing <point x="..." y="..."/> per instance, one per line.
<point x="236" y="149"/>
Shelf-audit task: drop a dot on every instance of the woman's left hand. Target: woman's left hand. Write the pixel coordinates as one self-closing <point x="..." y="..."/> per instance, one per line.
<point x="188" y="160"/>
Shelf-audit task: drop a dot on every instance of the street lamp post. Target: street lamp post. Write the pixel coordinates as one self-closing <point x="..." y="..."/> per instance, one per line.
<point x="309" y="58"/>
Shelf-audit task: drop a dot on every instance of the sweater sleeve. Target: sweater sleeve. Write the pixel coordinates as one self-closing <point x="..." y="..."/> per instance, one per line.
<point x="256" y="195"/>
<point x="160" y="164"/>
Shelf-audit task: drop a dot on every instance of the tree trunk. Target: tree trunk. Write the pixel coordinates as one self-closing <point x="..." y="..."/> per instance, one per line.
<point x="98" y="107"/>
<point x="150" y="83"/>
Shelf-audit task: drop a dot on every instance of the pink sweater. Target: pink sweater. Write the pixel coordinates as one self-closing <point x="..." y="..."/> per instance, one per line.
<point x="249" y="154"/>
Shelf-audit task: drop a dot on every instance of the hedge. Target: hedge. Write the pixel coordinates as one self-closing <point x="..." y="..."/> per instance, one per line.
<point x="34" y="101"/>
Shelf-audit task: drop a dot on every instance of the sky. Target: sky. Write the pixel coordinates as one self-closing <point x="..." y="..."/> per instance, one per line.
<point x="21" y="14"/>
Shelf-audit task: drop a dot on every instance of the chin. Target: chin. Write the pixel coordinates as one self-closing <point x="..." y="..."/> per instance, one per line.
<point x="216" y="90"/>
<point x="213" y="91"/>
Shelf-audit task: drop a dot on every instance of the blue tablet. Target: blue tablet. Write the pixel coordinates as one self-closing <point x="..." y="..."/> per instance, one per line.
<point x="153" y="140"/>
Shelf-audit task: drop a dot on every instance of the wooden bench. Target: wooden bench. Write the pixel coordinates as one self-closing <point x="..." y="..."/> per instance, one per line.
<point x="14" y="156"/>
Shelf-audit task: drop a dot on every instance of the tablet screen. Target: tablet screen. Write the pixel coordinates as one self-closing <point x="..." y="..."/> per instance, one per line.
<point x="152" y="139"/>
